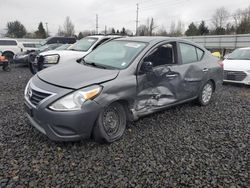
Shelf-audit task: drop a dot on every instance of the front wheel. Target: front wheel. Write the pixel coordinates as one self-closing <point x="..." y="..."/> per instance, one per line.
<point x="206" y="93"/>
<point x="110" y="124"/>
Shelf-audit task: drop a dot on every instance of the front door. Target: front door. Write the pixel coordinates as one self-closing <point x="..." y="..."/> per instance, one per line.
<point x="158" y="88"/>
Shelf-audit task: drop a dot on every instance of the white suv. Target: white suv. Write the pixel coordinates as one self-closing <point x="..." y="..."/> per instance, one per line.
<point x="10" y="47"/>
<point x="78" y="50"/>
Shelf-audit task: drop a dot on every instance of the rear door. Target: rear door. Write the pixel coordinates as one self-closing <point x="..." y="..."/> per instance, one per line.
<point x="194" y="69"/>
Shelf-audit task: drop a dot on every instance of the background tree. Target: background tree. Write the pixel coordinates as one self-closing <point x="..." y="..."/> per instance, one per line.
<point x="151" y="26"/>
<point x="40" y="33"/>
<point x="220" y="17"/>
<point x="203" y="29"/>
<point x="123" y="32"/>
<point x="80" y="36"/>
<point x="15" y="29"/>
<point x="243" y="26"/>
<point x="161" y="31"/>
<point x="176" y="31"/>
<point x="113" y="31"/>
<point x="142" y="30"/>
<point x="68" y="26"/>
<point x="192" y="30"/>
<point x="60" y="32"/>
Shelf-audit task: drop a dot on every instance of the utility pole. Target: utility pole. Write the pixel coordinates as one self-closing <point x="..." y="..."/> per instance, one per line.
<point x="97" y="24"/>
<point x="137" y="21"/>
<point x="105" y="31"/>
<point x="46" y="23"/>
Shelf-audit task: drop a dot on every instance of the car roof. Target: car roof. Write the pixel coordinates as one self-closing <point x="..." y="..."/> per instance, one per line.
<point x="157" y="39"/>
<point x="245" y="48"/>
<point x="8" y="39"/>
<point x="104" y="36"/>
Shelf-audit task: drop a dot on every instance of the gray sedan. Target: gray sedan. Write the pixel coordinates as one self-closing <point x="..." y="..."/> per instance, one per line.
<point x="120" y="81"/>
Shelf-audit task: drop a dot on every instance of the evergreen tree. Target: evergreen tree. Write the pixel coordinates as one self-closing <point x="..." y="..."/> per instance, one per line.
<point x="41" y="33"/>
<point x="15" y="29"/>
<point x="203" y="29"/>
<point x="80" y="36"/>
<point x="192" y="30"/>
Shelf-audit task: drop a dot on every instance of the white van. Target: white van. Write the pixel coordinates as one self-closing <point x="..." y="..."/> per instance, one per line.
<point x="10" y="47"/>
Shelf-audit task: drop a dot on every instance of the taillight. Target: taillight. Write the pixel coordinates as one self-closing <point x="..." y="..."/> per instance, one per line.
<point x="221" y="63"/>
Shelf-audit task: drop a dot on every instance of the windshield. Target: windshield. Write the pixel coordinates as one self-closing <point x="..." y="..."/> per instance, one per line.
<point x="44" y="42"/>
<point x="83" y="44"/>
<point x="116" y="54"/>
<point x="63" y="47"/>
<point x="240" y="54"/>
<point x="42" y="48"/>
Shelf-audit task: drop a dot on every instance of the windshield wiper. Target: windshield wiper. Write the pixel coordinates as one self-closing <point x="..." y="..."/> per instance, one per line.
<point x="94" y="64"/>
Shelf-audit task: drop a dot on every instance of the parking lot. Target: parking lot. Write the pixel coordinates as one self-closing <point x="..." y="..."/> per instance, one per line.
<point x="185" y="146"/>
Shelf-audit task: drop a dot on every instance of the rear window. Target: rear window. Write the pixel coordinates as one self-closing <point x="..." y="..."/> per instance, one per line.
<point x="8" y="43"/>
<point x="29" y="45"/>
<point x="190" y="53"/>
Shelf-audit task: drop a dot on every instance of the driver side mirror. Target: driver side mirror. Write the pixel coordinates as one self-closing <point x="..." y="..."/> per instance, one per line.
<point x="146" y="67"/>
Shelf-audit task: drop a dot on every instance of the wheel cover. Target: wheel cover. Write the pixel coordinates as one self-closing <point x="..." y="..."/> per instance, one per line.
<point x="207" y="93"/>
<point x="111" y="121"/>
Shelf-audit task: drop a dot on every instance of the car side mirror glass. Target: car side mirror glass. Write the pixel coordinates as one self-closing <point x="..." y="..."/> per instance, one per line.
<point x="1" y="53"/>
<point x="146" y="66"/>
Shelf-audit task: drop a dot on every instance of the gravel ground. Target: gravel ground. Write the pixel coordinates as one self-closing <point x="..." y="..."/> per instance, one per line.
<point x="185" y="146"/>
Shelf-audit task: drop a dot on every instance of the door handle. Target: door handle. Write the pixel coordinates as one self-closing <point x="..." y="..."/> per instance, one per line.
<point x="171" y="75"/>
<point x="205" y="70"/>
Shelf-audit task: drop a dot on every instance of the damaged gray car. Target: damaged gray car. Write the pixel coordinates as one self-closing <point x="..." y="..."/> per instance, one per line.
<point x="122" y="80"/>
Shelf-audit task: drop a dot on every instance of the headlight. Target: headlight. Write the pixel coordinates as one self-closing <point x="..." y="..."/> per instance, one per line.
<point x="75" y="100"/>
<point x="51" y="59"/>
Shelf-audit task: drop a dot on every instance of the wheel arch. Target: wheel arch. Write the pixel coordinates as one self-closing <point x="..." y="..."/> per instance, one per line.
<point x="8" y="52"/>
<point x="213" y="82"/>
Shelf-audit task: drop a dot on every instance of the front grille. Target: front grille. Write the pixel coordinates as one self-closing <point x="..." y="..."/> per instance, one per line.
<point x="36" y="96"/>
<point x="234" y="75"/>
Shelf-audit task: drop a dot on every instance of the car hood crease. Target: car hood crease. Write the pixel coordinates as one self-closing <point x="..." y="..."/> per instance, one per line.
<point x="75" y="75"/>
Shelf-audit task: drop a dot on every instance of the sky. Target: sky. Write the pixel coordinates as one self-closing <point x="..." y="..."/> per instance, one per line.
<point x="111" y="13"/>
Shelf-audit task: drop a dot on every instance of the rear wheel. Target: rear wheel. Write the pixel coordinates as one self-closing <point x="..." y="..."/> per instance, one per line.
<point x="110" y="124"/>
<point x="8" y="55"/>
<point x="206" y="93"/>
<point x="6" y="67"/>
<point x="31" y="62"/>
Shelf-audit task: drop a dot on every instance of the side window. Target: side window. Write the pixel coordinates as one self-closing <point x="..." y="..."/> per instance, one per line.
<point x="188" y="53"/>
<point x="100" y="42"/>
<point x="8" y="43"/>
<point x="200" y="53"/>
<point x="162" y="55"/>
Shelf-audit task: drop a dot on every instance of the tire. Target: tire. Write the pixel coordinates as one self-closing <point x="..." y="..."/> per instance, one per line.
<point x="110" y="124"/>
<point x="32" y="68"/>
<point x="206" y="93"/>
<point x="9" y="56"/>
<point x="6" y="67"/>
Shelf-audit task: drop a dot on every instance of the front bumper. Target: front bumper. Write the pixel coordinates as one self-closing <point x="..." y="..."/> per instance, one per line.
<point x="61" y="126"/>
<point x="241" y="77"/>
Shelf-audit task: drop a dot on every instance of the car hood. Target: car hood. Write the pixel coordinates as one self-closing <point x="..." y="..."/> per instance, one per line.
<point x="236" y="65"/>
<point x="75" y="75"/>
